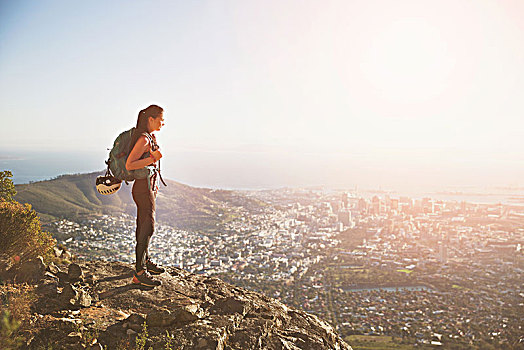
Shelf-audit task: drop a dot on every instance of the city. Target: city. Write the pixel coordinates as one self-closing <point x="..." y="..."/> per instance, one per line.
<point x="422" y="272"/>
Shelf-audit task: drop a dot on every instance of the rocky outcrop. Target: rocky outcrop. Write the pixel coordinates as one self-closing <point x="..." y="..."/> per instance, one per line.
<point x="26" y="272"/>
<point x="94" y="305"/>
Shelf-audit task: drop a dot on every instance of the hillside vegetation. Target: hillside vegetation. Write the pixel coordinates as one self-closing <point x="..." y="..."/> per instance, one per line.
<point x="21" y="236"/>
<point x="23" y="247"/>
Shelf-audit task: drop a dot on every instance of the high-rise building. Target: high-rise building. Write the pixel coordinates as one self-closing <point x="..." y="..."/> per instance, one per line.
<point x="362" y="205"/>
<point x="428" y="206"/>
<point x="376" y="205"/>
<point x="443" y="252"/>
<point x="394" y="204"/>
<point x="344" y="216"/>
<point x="345" y="200"/>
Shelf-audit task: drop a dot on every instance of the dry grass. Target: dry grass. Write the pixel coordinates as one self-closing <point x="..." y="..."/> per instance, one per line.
<point x="123" y="344"/>
<point x="15" y="312"/>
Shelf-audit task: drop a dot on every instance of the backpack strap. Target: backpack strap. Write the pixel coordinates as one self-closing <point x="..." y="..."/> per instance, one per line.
<point x="160" y="174"/>
<point x="152" y="141"/>
<point x="154" y="147"/>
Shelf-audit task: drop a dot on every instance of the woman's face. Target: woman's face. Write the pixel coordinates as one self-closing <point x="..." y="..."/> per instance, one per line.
<point x="156" y="123"/>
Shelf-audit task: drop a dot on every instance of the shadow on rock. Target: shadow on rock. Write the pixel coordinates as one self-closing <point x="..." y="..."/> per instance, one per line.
<point x="116" y="278"/>
<point x="122" y="289"/>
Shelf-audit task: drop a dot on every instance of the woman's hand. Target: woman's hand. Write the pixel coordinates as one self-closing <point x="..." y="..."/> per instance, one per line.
<point x="156" y="155"/>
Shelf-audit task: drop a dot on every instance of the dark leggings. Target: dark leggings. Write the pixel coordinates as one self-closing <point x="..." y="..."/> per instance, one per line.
<point x="145" y="225"/>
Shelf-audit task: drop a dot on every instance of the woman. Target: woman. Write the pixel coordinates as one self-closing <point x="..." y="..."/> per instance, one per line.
<point x="144" y="152"/>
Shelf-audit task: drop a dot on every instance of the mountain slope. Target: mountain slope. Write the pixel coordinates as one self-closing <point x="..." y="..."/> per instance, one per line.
<point x="179" y="205"/>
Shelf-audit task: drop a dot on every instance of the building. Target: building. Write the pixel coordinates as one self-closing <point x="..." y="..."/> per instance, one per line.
<point x="344" y="216"/>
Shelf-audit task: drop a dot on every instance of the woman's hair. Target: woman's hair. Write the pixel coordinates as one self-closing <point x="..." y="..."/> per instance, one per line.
<point x="142" y="122"/>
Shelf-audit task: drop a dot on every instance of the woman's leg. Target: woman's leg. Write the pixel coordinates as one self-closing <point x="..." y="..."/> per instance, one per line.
<point x="145" y="203"/>
<point x="153" y="199"/>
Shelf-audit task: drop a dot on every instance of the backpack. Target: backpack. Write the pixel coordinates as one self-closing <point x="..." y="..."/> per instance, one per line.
<point x="116" y="163"/>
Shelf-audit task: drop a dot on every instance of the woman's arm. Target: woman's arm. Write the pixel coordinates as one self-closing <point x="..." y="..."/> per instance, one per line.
<point x="141" y="146"/>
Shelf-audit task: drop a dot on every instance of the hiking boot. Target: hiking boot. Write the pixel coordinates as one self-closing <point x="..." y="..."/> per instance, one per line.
<point x="145" y="280"/>
<point x="153" y="268"/>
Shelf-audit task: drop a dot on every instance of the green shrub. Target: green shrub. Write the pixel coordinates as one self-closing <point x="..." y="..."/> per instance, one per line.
<point x="7" y="188"/>
<point x="8" y="330"/>
<point x="169" y="341"/>
<point x="21" y="234"/>
<point x="142" y="339"/>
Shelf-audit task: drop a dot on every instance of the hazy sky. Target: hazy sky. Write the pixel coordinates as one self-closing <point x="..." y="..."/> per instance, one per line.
<point x="384" y="93"/>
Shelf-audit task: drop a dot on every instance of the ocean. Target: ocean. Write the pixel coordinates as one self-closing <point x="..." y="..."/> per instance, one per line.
<point x="248" y="171"/>
<point x="36" y="166"/>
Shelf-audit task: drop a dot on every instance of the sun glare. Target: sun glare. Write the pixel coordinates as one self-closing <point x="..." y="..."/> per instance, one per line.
<point x="409" y="62"/>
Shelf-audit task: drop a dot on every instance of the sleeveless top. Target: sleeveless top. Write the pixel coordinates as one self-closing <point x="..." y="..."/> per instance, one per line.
<point x="148" y="184"/>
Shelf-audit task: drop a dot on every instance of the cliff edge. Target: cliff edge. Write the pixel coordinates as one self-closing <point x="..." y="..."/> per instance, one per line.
<point x="92" y="304"/>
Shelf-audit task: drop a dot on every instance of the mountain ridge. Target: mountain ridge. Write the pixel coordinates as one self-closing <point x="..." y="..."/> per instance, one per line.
<point x="182" y="206"/>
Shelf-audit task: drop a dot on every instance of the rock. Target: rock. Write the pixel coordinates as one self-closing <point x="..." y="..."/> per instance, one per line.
<point x="188" y="313"/>
<point x="68" y="294"/>
<point x="84" y="299"/>
<point x="201" y="343"/>
<point x="198" y="313"/>
<point x="231" y="305"/>
<point x="74" y="337"/>
<point x="135" y="322"/>
<point x="76" y="346"/>
<point x="75" y="273"/>
<point x="90" y="279"/>
<point x="135" y="327"/>
<point x="62" y="277"/>
<point x="288" y="345"/>
<point x="205" y="335"/>
<point x="31" y="271"/>
<point x="66" y="255"/>
<point x="75" y="296"/>
<point x="160" y="318"/>
<point x="67" y="325"/>
<point x="53" y="268"/>
<point x="48" y="276"/>
<point x="135" y="319"/>
<point x="96" y="346"/>
<point x="48" y="289"/>
<point x="58" y="252"/>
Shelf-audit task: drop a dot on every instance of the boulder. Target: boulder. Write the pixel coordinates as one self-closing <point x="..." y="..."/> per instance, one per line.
<point x="75" y="273"/>
<point x="160" y="318"/>
<point x="91" y="279"/>
<point x="31" y="271"/>
<point x="53" y="268"/>
<point x="48" y="289"/>
<point x="231" y="305"/>
<point x="58" y="252"/>
<point x="188" y="313"/>
<point x="66" y="255"/>
<point x="135" y="322"/>
<point x="74" y="337"/>
<point x="75" y="296"/>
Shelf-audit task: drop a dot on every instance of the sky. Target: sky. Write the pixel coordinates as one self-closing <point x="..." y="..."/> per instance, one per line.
<point x="390" y="94"/>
